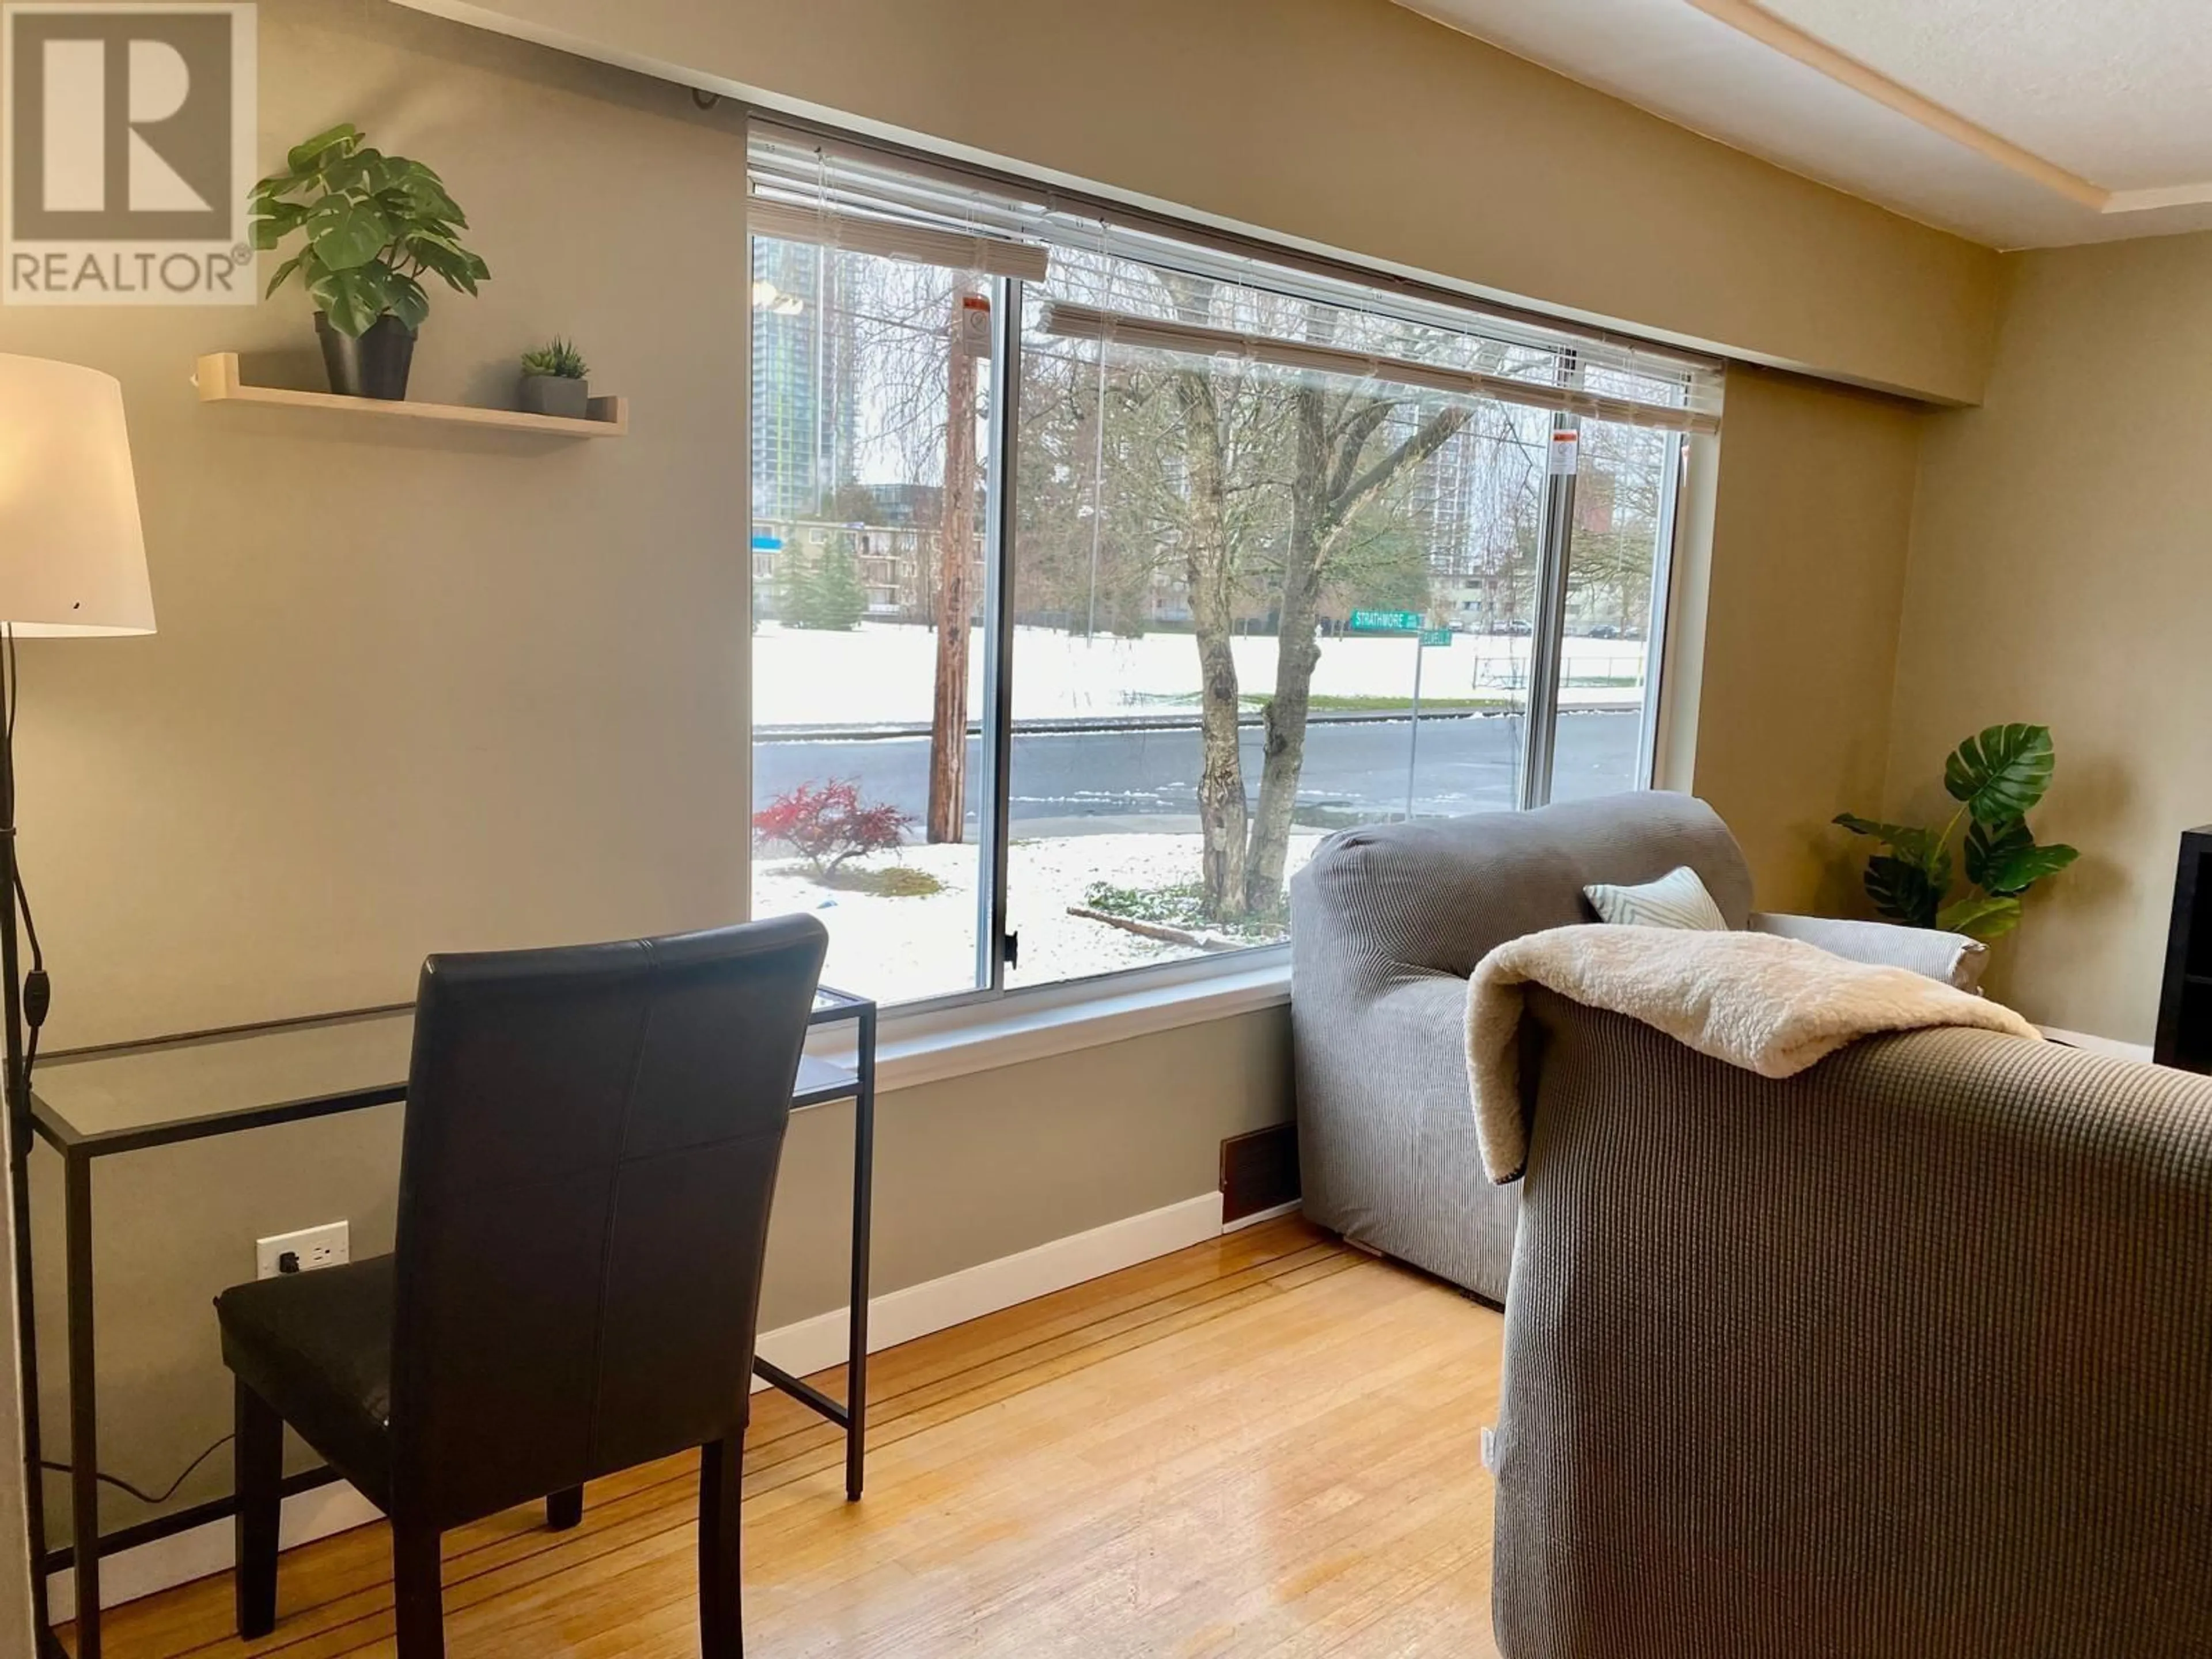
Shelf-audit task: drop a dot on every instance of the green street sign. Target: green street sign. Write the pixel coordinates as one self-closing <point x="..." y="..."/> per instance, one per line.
<point x="1387" y="622"/>
<point x="1435" y="636"/>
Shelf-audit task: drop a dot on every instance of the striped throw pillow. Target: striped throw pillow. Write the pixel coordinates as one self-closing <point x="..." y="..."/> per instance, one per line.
<point x="1677" y="899"/>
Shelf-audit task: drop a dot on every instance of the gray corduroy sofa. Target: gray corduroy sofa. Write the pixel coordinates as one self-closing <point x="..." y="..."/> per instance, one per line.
<point x="1386" y="924"/>
<point x="1906" y="1356"/>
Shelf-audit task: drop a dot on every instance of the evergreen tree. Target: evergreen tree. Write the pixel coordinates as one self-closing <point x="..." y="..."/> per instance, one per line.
<point x="822" y="590"/>
<point x="839" y="600"/>
<point x="794" y="584"/>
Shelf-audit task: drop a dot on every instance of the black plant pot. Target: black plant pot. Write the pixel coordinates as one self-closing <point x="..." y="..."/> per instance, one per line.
<point x="374" y="366"/>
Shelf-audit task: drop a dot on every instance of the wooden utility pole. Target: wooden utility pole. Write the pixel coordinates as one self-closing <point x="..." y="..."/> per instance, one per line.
<point x="955" y="558"/>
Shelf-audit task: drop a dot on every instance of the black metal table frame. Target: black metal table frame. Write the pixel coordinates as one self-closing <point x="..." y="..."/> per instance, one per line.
<point x="79" y="1152"/>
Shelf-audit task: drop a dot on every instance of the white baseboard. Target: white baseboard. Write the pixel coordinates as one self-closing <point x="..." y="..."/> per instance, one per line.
<point x="1259" y="1216"/>
<point x="938" y="1305"/>
<point x="166" y="1562"/>
<point x="811" y="1345"/>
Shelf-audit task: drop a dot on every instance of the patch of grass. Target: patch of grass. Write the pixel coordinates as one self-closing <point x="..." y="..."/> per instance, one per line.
<point x="1183" y="905"/>
<point x="899" y="881"/>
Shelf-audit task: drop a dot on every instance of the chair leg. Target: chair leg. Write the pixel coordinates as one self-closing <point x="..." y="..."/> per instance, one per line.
<point x="417" y="1597"/>
<point x="564" y="1509"/>
<point x="258" y="1461"/>
<point x="722" y="1487"/>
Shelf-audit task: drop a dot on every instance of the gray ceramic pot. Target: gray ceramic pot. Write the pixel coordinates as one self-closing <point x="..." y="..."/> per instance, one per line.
<point x="556" y="394"/>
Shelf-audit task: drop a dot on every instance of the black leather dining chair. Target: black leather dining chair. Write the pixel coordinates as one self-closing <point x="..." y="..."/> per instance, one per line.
<point x="590" y="1151"/>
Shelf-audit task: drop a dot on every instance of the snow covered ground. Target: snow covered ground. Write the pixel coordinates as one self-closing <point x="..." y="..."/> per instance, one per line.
<point x="897" y="950"/>
<point x="881" y="673"/>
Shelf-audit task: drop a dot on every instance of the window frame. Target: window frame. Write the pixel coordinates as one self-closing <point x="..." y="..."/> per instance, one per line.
<point x="1540" y="717"/>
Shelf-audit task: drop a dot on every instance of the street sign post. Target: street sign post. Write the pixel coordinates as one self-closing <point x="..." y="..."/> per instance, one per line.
<point x="1425" y="638"/>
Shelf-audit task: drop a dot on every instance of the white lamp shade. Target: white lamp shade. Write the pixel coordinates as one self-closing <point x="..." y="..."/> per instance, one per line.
<point x="72" y="552"/>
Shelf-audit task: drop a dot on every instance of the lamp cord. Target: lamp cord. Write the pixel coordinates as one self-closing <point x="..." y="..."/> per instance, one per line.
<point x="38" y="989"/>
<point x="147" y="1498"/>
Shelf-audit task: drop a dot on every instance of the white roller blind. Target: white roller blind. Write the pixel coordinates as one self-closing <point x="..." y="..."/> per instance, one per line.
<point x="1076" y="253"/>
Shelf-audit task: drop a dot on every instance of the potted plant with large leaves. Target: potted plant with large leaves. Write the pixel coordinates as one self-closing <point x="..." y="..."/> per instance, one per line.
<point x="1997" y="777"/>
<point x="375" y="225"/>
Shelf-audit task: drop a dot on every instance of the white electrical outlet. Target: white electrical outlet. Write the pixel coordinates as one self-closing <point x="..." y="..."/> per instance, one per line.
<point x="327" y="1246"/>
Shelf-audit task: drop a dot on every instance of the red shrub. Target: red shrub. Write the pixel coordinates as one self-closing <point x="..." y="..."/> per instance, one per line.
<point x="828" y="824"/>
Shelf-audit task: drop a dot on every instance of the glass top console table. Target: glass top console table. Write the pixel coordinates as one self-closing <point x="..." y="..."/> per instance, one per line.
<point x="98" y="1103"/>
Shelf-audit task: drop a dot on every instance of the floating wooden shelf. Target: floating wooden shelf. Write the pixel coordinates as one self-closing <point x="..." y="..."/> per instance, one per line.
<point x="219" y="382"/>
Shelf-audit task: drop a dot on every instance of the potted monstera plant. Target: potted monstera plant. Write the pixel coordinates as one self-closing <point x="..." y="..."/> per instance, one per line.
<point x="1997" y="777"/>
<point x="373" y="225"/>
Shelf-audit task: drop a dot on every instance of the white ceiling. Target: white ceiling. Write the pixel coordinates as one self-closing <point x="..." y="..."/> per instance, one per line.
<point x="2114" y="90"/>
<point x="2019" y="123"/>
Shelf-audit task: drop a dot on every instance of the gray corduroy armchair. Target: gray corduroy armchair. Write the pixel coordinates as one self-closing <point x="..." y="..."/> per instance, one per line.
<point x="1909" y="1355"/>
<point x="1386" y="924"/>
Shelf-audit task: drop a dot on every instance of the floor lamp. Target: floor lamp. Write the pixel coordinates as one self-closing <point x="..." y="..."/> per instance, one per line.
<point x="72" y="563"/>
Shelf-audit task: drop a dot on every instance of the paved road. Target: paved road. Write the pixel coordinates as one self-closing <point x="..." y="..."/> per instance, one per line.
<point x="1093" y="782"/>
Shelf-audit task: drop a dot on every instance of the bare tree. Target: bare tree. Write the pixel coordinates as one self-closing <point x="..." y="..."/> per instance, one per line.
<point x="1617" y="511"/>
<point x="1210" y="561"/>
<point x="1345" y="459"/>
<point x="1270" y="494"/>
<point x="1100" y="497"/>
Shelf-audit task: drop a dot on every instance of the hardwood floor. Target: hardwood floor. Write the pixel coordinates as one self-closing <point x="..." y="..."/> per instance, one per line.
<point x="1265" y="1445"/>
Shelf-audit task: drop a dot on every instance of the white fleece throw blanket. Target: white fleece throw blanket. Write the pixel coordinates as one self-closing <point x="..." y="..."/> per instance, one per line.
<point x="1769" y="1005"/>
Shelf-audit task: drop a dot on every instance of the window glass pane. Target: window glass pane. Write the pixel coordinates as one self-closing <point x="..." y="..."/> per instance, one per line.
<point x="868" y="395"/>
<point x="1280" y="539"/>
<point x="1232" y="584"/>
<point x="1620" y="527"/>
<point x="1480" y="533"/>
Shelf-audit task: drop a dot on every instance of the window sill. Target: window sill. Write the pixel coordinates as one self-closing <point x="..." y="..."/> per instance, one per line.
<point x="933" y="1046"/>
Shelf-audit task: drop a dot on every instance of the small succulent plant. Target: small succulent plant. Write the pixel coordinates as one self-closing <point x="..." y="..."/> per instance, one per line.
<point x="558" y="358"/>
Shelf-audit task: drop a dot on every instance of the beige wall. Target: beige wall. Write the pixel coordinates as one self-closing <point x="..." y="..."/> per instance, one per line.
<point x="1811" y="521"/>
<point x="411" y="693"/>
<point x="1359" y="125"/>
<point x="2059" y="575"/>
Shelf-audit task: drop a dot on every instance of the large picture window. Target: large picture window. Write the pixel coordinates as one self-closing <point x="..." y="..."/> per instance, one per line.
<point x="1098" y="572"/>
